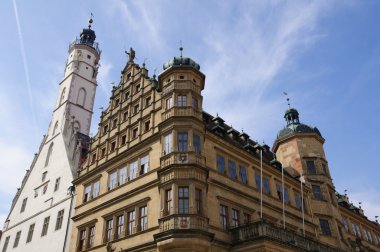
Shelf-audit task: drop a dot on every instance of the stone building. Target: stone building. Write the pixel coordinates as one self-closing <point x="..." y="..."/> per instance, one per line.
<point x="163" y="175"/>
<point x="39" y="218"/>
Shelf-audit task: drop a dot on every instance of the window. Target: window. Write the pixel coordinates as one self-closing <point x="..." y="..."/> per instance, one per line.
<point x="82" y="240"/>
<point x="56" y="185"/>
<point x="136" y="109"/>
<point x="135" y="133"/>
<point x="169" y="103"/>
<point x="17" y="239"/>
<point x="243" y="174"/>
<point x="195" y="103"/>
<point x="345" y="224"/>
<point x="131" y="222"/>
<point x="91" y="237"/>
<point x="353" y="229"/>
<point x="182" y="141"/>
<point x="144" y="167"/>
<point x="133" y="170"/>
<point x="23" y="205"/>
<point x="183" y="200"/>
<point x="198" y="200"/>
<point x="62" y="96"/>
<point x="286" y="196"/>
<point x="35" y="193"/>
<point x="109" y="228"/>
<point x="137" y="89"/>
<point x="122" y="175"/>
<point x="297" y="200"/>
<point x="266" y="185"/>
<point x="114" y="123"/>
<point x="30" y="233"/>
<point x="91" y="191"/>
<point x="369" y="236"/>
<point x="324" y="171"/>
<point x="50" y="150"/>
<point x="169" y="201"/>
<point x="220" y="164"/>
<point x="45" y="226"/>
<point x="148" y="101"/>
<point x="125" y="115"/>
<point x="325" y="227"/>
<point x="310" y="167"/>
<point x="143" y="218"/>
<point x="358" y="232"/>
<point x="197" y="143"/>
<point x="168" y="142"/>
<point x="117" y="102"/>
<point x="232" y="169"/>
<point x="365" y="234"/>
<point x="59" y="221"/>
<point x="55" y="128"/>
<point x="113" y="146"/>
<point x="247" y="218"/>
<point x="103" y="152"/>
<point x="44" y="188"/>
<point x="223" y="216"/>
<point x="181" y="100"/>
<point x="112" y="182"/>
<point x="88" y="56"/>
<point x="123" y="139"/>
<point x="126" y="96"/>
<point x="235" y="218"/>
<point x="317" y="192"/>
<point x="147" y="126"/>
<point x="279" y="191"/>
<point x="81" y="99"/>
<point x="43" y="176"/>
<point x="119" y="226"/>
<point x="105" y="129"/>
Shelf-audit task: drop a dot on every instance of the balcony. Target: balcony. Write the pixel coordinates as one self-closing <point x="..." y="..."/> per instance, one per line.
<point x="181" y="85"/>
<point x="181" y="111"/>
<point x="176" y="158"/>
<point x="183" y="222"/>
<point x="257" y="230"/>
<point x="94" y="45"/>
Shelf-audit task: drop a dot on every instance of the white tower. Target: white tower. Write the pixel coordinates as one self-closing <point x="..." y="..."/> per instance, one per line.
<point x="39" y="219"/>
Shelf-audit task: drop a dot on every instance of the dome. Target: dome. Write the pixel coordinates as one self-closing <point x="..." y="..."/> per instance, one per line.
<point x="181" y="61"/>
<point x="294" y="126"/>
<point x="87" y="37"/>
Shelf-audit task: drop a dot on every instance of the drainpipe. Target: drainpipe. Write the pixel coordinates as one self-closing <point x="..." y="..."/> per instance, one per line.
<point x="71" y="191"/>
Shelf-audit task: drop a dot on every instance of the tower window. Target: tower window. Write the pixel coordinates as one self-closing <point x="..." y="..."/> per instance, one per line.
<point x="311" y="167"/>
<point x="197" y="143"/>
<point x="317" y="193"/>
<point x="81" y="99"/>
<point x="325" y="227"/>
<point x="23" y="205"/>
<point x="30" y="233"/>
<point x="168" y="143"/>
<point x="182" y="141"/>
<point x="169" y="103"/>
<point x="195" y="103"/>
<point x="44" y="176"/>
<point x="56" y="185"/>
<point x="183" y="200"/>
<point x="168" y="199"/>
<point x="17" y="239"/>
<point x="45" y="226"/>
<point x="181" y="101"/>
<point x="50" y="150"/>
<point x="88" y="56"/>
<point x="198" y="200"/>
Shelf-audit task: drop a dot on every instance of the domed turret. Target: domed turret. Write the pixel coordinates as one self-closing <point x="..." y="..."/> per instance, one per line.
<point x="88" y="36"/>
<point x="293" y="125"/>
<point x="181" y="61"/>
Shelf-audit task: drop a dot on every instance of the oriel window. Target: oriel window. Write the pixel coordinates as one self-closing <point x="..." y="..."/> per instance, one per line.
<point x="183" y="200"/>
<point x="181" y="100"/>
<point x="182" y="141"/>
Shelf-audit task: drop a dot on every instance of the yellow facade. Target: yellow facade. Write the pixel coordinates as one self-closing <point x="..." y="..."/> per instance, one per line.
<point x="163" y="175"/>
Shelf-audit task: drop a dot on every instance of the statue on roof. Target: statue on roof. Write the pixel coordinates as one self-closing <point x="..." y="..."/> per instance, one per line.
<point x="131" y="54"/>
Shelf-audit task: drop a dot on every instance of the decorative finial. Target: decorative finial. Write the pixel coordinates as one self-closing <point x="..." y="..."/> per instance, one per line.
<point x="90" y="21"/>
<point x="180" y="48"/>
<point x="345" y="192"/>
<point x="287" y="98"/>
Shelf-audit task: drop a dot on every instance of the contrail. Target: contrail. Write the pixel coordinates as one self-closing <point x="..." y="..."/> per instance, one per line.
<point x="25" y="63"/>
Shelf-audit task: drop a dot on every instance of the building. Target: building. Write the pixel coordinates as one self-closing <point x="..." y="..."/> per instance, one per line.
<point x="42" y="207"/>
<point x="163" y="175"/>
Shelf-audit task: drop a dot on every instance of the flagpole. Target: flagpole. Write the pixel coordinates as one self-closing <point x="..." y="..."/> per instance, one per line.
<point x="302" y="180"/>
<point x="261" y="184"/>
<point x="283" y="196"/>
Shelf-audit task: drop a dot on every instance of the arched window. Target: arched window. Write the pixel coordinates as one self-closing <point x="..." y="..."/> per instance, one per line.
<point x="62" y="96"/>
<point x="50" y="150"/>
<point x="81" y="100"/>
<point x="55" y="128"/>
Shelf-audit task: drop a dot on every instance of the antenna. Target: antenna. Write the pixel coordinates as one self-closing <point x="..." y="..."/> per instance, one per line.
<point x="287" y="98"/>
<point x="180" y="48"/>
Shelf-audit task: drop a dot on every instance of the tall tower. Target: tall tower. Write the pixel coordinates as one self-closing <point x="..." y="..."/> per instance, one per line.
<point x="300" y="147"/>
<point x="41" y="210"/>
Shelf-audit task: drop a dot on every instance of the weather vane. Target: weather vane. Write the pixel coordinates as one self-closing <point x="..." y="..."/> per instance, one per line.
<point x="90" y="21"/>
<point x="180" y="48"/>
<point x="287" y="98"/>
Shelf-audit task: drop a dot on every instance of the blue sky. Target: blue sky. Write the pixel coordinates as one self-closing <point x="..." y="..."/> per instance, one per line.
<point x="324" y="54"/>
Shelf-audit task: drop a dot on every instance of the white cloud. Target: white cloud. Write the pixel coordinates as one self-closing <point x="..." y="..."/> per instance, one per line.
<point x="249" y="55"/>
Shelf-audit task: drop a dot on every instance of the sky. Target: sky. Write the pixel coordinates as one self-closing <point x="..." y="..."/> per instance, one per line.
<point x="324" y="54"/>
